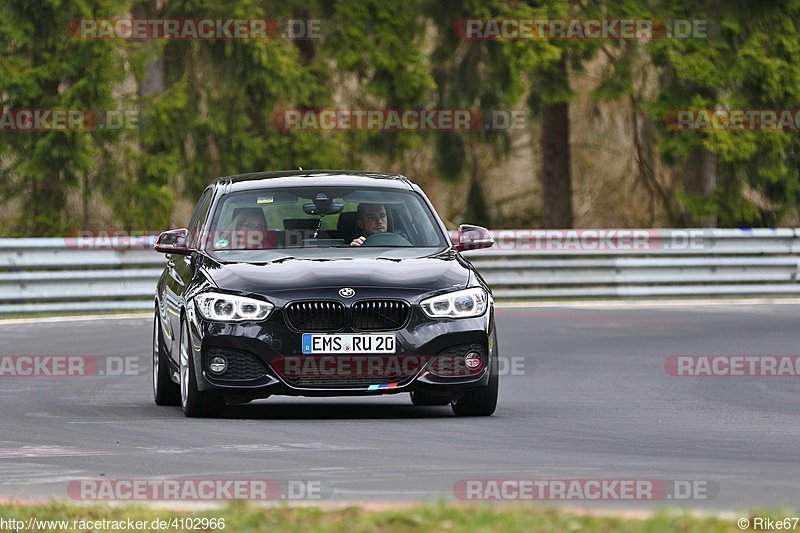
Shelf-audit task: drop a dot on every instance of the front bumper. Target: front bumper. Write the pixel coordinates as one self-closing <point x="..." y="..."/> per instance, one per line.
<point x="269" y="343"/>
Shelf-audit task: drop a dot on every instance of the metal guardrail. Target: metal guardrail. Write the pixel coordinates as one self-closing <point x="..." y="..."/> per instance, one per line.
<point x="83" y="275"/>
<point x="541" y="264"/>
<point x="77" y="275"/>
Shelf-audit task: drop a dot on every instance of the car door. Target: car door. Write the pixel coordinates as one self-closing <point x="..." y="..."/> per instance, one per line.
<point x="180" y="272"/>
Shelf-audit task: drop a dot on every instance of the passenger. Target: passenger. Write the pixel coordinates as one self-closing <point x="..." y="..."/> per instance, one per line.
<point x="251" y="232"/>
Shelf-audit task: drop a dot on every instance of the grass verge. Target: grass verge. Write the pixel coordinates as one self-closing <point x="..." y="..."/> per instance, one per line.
<point x="244" y="517"/>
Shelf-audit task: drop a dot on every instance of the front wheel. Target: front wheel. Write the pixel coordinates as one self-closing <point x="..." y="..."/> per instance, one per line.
<point x="483" y="401"/>
<point x="194" y="402"/>
<point x="165" y="392"/>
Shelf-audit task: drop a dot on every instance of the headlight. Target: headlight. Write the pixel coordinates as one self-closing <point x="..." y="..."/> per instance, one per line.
<point x="460" y="304"/>
<point x="231" y="308"/>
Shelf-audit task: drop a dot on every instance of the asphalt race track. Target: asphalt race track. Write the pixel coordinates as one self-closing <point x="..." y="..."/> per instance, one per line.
<point x="593" y="401"/>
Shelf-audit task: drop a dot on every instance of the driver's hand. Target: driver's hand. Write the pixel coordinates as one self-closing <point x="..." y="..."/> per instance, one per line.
<point x="359" y="241"/>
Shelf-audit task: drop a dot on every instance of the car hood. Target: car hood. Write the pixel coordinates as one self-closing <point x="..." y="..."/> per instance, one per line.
<point x="426" y="274"/>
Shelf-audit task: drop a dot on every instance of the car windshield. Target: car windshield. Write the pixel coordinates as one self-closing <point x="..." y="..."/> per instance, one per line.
<point x="322" y="223"/>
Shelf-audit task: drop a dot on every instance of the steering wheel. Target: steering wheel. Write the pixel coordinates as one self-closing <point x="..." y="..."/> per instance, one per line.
<point x="386" y="239"/>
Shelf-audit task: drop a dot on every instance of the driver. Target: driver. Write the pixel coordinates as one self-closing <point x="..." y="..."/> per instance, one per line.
<point x="371" y="219"/>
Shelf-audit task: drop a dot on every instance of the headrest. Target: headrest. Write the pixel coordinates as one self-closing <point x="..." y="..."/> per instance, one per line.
<point x="347" y="223"/>
<point x="245" y="212"/>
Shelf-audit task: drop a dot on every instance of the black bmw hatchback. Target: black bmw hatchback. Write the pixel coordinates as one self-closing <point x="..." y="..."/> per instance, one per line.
<point x="321" y="283"/>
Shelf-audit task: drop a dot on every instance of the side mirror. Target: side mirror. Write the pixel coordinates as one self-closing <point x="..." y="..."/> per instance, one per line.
<point x="473" y="238"/>
<point x="174" y="241"/>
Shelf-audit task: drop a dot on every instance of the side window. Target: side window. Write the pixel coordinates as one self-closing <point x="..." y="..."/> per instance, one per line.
<point x="199" y="215"/>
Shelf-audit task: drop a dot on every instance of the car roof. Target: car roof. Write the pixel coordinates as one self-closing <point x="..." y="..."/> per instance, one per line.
<point x="300" y="178"/>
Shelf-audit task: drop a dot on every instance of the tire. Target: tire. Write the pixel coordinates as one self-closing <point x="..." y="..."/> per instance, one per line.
<point x="483" y="401"/>
<point x="165" y="391"/>
<point x="426" y="398"/>
<point x="195" y="404"/>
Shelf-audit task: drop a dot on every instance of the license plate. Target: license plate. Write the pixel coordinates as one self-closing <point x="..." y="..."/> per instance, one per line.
<point x="346" y="343"/>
